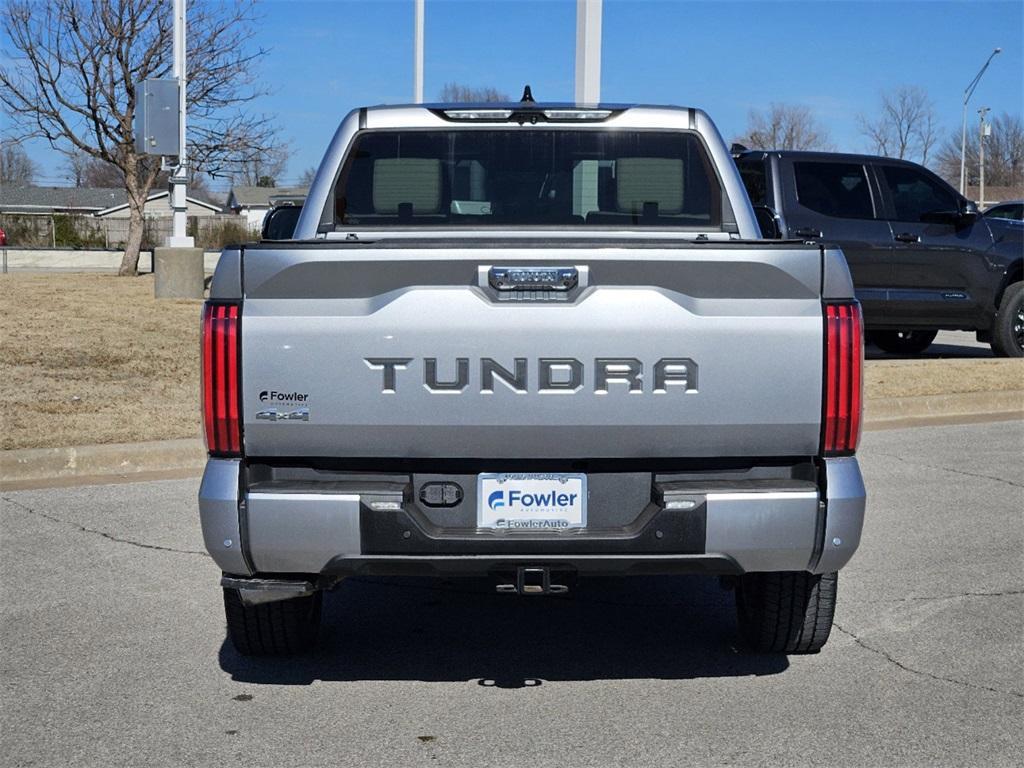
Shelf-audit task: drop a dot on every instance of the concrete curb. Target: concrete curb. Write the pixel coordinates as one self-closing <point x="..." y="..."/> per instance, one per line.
<point x="122" y="460"/>
<point x="115" y="460"/>
<point x="83" y="260"/>
<point x="877" y="413"/>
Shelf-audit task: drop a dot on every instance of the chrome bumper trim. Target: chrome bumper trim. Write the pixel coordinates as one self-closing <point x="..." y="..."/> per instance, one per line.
<point x="256" y="591"/>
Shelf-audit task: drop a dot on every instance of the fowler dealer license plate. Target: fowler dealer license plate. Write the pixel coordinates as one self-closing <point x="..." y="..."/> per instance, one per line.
<point x="524" y="501"/>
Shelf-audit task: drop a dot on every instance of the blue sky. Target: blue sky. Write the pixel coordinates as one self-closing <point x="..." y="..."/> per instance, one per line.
<point x="726" y="57"/>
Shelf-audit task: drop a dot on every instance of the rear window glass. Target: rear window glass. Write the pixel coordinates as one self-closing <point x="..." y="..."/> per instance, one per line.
<point x="755" y="179"/>
<point x="527" y="177"/>
<point x="834" y="189"/>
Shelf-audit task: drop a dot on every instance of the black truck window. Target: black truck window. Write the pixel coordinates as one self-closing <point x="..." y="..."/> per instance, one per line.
<point x="755" y="179"/>
<point x="915" y="194"/>
<point x="834" y="189"/>
<point x="528" y="177"/>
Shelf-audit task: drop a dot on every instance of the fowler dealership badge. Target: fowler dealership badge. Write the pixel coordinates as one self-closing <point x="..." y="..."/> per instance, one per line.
<point x="283" y="410"/>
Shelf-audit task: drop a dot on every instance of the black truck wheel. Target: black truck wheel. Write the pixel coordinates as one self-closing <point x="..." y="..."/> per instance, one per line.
<point x="786" y="612"/>
<point x="903" y="342"/>
<point x="1008" y="330"/>
<point x="279" y="628"/>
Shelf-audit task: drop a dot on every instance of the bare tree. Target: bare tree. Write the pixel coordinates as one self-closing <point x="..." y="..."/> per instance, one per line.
<point x="73" y="82"/>
<point x="97" y="173"/>
<point x="307" y="176"/>
<point x="458" y="93"/>
<point x="1004" y="154"/>
<point x="76" y="163"/>
<point x="905" y="126"/>
<point x="784" y="126"/>
<point x="16" y="167"/>
<point x="262" y="169"/>
<point x="83" y="170"/>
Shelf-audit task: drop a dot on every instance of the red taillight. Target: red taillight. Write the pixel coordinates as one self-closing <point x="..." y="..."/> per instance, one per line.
<point x="844" y="359"/>
<point x="220" y="379"/>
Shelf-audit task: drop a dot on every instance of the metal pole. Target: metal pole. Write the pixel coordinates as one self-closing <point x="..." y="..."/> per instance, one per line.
<point x="963" y="148"/>
<point x="588" y="51"/>
<point x="179" y="179"/>
<point x="417" y="53"/>
<point x="968" y="92"/>
<point x="981" y="157"/>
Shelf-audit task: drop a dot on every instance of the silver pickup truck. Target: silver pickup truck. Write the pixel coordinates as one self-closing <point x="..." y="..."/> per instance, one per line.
<point x="530" y="342"/>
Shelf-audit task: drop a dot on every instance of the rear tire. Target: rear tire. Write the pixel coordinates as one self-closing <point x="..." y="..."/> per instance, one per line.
<point x="903" y="342"/>
<point x="1008" y="329"/>
<point x="280" y="628"/>
<point x="786" y="612"/>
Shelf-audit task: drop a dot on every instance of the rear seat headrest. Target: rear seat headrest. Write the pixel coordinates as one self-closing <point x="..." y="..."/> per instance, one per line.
<point x="412" y="181"/>
<point x="640" y="181"/>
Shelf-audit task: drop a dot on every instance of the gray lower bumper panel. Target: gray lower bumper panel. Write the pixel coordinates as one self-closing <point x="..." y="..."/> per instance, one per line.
<point x="747" y="528"/>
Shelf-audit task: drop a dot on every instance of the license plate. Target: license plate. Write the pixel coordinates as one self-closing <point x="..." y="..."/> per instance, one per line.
<point x="524" y="501"/>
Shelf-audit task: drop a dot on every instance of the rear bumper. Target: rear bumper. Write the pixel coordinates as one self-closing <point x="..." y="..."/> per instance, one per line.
<point x="347" y="528"/>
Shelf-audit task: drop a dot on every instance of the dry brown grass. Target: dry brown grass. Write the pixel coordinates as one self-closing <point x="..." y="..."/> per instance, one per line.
<point x="89" y="359"/>
<point x="95" y="359"/>
<point x="909" y="378"/>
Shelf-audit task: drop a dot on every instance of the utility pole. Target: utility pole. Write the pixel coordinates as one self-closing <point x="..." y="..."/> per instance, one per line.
<point x="178" y="267"/>
<point x="417" y="53"/>
<point x="588" y="51"/>
<point x="179" y="178"/>
<point x="984" y="129"/>
<point x="968" y="92"/>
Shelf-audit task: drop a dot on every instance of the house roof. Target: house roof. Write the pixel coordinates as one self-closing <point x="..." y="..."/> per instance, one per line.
<point x="259" y="197"/>
<point x="156" y="196"/>
<point x="99" y="201"/>
<point x="47" y="199"/>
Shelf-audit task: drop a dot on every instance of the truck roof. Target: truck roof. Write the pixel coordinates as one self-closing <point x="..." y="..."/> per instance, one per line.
<point x="806" y="154"/>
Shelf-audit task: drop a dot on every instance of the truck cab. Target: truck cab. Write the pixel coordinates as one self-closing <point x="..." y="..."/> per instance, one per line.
<point x="921" y="256"/>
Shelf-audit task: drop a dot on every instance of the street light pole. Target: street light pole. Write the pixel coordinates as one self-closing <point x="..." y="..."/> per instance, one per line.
<point x="179" y="178"/>
<point x="981" y="156"/>
<point x="417" y="53"/>
<point x="588" y="51"/>
<point x="968" y="92"/>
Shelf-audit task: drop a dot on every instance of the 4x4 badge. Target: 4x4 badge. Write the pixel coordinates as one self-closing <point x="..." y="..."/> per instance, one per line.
<point x="273" y="414"/>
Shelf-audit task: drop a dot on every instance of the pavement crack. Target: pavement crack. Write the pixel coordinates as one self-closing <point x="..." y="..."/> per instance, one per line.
<point x="920" y="672"/>
<point x="95" y="532"/>
<point x="960" y="596"/>
<point x="950" y="469"/>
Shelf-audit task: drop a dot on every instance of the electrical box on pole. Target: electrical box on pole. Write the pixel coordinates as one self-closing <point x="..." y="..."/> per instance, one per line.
<point x="157" y="122"/>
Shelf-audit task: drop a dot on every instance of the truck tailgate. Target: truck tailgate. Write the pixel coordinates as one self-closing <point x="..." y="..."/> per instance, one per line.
<point x="374" y="350"/>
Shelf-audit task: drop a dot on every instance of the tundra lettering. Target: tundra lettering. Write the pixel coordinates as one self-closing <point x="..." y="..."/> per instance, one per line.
<point x="555" y="374"/>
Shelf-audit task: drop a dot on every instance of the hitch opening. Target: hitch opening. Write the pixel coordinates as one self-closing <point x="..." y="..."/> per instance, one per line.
<point x="533" y="581"/>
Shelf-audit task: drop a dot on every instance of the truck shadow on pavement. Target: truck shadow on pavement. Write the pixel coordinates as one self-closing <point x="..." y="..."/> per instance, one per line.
<point x="391" y="629"/>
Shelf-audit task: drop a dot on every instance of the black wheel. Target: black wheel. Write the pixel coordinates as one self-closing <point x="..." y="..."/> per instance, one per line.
<point x="272" y="629"/>
<point x="786" y="612"/>
<point x="1008" y="330"/>
<point x="903" y="342"/>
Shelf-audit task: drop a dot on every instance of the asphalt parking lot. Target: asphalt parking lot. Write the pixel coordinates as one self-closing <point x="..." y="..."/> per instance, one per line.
<point x="113" y="648"/>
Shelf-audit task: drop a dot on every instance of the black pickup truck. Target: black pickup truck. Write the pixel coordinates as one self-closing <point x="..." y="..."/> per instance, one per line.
<point x="921" y="256"/>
